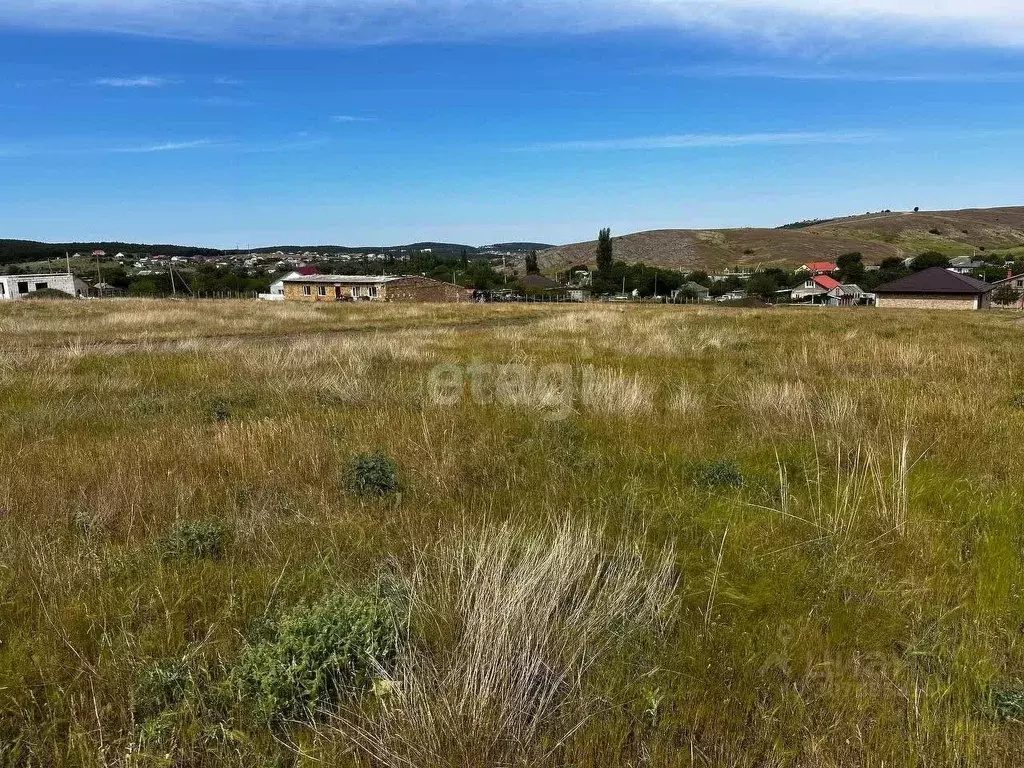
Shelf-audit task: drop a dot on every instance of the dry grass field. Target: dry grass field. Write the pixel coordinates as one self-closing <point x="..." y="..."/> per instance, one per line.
<point x="620" y="536"/>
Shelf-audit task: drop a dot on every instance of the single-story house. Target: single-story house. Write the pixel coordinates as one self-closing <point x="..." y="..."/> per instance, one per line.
<point x="964" y="265"/>
<point x="696" y="290"/>
<point x="277" y="287"/>
<point x="935" y="288"/>
<point x="14" y="287"/>
<point x="815" y="286"/>
<point x="819" y="268"/>
<point x="846" y="295"/>
<point x="407" y="288"/>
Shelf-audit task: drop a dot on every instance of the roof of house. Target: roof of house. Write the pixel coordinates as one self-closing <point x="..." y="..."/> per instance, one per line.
<point x="307" y="271"/>
<point x="821" y="266"/>
<point x="936" y="280"/>
<point x="695" y="287"/>
<point x="847" y="289"/>
<point x="352" y="279"/>
<point x="34" y="276"/>
<point x="539" y="281"/>
<point x="826" y="282"/>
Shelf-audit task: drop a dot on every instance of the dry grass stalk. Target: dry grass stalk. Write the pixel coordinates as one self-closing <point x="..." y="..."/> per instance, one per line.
<point x="523" y="618"/>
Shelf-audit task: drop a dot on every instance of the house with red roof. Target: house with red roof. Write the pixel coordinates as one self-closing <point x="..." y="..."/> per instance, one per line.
<point x="815" y="286"/>
<point x="819" y="268"/>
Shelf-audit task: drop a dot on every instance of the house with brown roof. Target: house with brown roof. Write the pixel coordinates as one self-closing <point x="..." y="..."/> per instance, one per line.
<point x="407" y="288"/>
<point x="935" y="288"/>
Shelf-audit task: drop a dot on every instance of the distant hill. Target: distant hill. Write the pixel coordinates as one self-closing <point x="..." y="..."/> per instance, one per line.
<point x="876" y="236"/>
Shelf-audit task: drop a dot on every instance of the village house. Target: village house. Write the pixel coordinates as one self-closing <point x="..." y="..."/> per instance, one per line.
<point x="691" y="289"/>
<point x="14" y="287"/>
<point x="818" y="268"/>
<point x="935" y="288"/>
<point x="964" y="265"/>
<point x="408" y="288"/>
<point x="847" y="295"/>
<point x="277" y="287"/>
<point x="815" y="286"/>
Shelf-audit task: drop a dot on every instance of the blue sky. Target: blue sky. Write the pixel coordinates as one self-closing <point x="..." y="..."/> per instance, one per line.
<point x="364" y="122"/>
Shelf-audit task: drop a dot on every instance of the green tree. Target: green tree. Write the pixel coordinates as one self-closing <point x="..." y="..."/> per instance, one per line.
<point x="605" y="252"/>
<point x="1005" y="295"/>
<point x="851" y="267"/>
<point x="929" y="259"/>
<point x="763" y="285"/>
<point x="531" y="263"/>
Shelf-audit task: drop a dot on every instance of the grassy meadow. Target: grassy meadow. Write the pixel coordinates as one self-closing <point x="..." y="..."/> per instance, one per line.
<point x="620" y="536"/>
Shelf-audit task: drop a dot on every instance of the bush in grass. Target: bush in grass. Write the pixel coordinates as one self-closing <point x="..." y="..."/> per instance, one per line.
<point x="220" y="410"/>
<point x="1008" y="702"/>
<point x="198" y="539"/>
<point x="717" y="474"/>
<point x="161" y="686"/>
<point x="48" y="293"/>
<point x="371" y="474"/>
<point x="1017" y="399"/>
<point x="318" y="655"/>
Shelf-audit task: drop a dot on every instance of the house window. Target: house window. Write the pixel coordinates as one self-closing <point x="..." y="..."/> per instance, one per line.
<point x="23" y="287"/>
<point x="3" y="289"/>
<point x="42" y="286"/>
<point x="373" y="291"/>
<point x="306" y="291"/>
<point x="321" y="290"/>
<point x="355" y="291"/>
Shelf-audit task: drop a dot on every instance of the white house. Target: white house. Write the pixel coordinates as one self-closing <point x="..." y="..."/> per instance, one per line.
<point x="14" y="287"/>
<point x="277" y="288"/>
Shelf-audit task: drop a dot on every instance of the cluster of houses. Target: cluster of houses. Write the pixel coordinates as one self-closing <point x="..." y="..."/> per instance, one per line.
<point x="934" y="288"/>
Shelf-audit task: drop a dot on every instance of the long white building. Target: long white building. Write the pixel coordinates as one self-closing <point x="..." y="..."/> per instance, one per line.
<point x="14" y="287"/>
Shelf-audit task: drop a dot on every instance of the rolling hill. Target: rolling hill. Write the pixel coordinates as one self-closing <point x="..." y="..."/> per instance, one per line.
<point x="877" y="236"/>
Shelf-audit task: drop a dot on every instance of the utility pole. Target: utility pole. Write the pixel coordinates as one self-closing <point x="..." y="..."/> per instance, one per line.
<point x="99" y="277"/>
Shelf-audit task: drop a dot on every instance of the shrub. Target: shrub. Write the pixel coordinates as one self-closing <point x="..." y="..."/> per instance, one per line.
<point x="934" y="231"/>
<point x="1008" y="702"/>
<point x="161" y="686"/>
<point x="220" y="410"/>
<point x="1017" y="399"/>
<point x="48" y="293"/>
<point x="199" y="539"/>
<point x="717" y="474"/>
<point x="317" y="655"/>
<point x="371" y="474"/>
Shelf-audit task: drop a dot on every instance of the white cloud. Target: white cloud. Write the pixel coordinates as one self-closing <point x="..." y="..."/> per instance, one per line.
<point x="131" y="82"/>
<point x="773" y="72"/>
<point x="171" y="146"/>
<point x="352" y="119"/>
<point x="910" y="22"/>
<point x="710" y="140"/>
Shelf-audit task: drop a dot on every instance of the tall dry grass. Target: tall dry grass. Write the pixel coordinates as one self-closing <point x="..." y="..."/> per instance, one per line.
<point x="516" y="620"/>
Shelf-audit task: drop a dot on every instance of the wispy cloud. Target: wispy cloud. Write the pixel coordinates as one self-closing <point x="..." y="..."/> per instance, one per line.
<point x="904" y="22"/>
<point x="71" y="147"/>
<point x="352" y="119"/>
<point x="773" y="72"/>
<point x="144" y="81"/>
<point x="708" y="141"/>
<point x="169" y="146"/>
